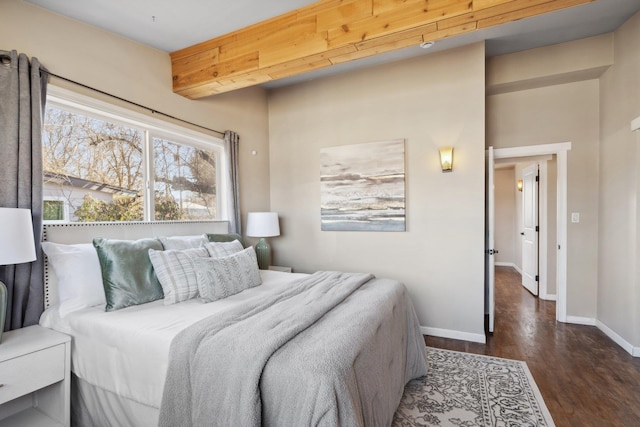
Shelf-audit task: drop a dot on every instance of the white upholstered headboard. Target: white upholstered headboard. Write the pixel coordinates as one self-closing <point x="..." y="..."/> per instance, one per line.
<point x="85" y="232"/>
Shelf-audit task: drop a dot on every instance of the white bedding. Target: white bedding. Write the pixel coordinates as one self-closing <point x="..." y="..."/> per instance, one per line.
<point x="126" y="351"/>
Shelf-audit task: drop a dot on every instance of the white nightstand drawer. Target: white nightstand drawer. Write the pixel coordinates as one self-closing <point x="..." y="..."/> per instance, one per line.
<point x="31" y="372"/>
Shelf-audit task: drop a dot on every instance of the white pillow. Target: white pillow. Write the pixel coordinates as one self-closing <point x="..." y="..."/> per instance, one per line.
<point x="176" y="273"/>
<point x="221" y="249"/>
<point x="183" y="242"/>
<point x="219" y="278"/>
<point x="77" y="269"/>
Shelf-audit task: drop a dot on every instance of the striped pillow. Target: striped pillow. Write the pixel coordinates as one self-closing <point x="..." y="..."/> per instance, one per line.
<point x="176" y="273"/>
<point x="221" y="249"/>
<point x="219" y="278"/>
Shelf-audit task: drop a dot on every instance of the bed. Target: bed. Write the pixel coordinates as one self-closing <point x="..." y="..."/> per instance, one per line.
<point x="330" y="348"/>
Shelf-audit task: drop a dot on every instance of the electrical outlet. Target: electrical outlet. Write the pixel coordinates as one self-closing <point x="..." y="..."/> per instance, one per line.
<point x="575" y="217"/>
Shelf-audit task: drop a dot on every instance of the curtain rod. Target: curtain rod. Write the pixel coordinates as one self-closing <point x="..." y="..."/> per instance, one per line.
<point x="129" y="102"/>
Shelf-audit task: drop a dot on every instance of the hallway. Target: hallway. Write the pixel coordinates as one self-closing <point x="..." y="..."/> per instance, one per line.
<point x="585" y="378"/>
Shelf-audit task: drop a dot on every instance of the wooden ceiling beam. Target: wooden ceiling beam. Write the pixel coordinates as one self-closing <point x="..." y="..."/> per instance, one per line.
<point x="335" y="31"/>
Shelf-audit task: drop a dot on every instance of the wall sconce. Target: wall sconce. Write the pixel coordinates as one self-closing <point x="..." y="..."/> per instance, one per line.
<point x="519" y="184"/>
<point x="446" y="159"/>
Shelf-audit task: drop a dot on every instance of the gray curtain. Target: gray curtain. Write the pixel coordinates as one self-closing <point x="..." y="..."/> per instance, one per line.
<point x="231" y="142"/>
<point x="22" y="98"/>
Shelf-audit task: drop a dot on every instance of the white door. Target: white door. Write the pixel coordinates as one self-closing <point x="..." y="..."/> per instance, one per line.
<point x="490" y="260"/>
<point x="530" y="228"/>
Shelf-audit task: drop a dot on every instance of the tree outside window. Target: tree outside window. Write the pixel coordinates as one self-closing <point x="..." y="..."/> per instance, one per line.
<point x="185" y="181"/>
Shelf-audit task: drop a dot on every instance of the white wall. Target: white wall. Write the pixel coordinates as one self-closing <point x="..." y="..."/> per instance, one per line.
<point x="141" y="74"/>
<point x="430" y="101"/>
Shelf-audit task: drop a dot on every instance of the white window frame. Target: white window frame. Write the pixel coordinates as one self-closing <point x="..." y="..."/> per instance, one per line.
<point x="152" y="128"/>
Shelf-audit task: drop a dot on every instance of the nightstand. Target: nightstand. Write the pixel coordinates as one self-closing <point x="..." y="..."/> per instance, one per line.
<point x="34" y="373"/>
<point x="278" y="268"/>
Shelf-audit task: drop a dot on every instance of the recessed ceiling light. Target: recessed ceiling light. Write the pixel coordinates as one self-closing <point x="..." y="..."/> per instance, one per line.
<point x="426" y="45"/>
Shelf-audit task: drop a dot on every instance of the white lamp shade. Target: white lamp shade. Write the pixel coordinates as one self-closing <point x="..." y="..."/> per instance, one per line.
<point x="263" y="224"/>
<point x="16" y="236"/>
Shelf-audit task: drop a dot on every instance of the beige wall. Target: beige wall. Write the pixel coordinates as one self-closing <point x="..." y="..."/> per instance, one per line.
<point x="430" y="101"/>
<point x="577" y="60"/>
<point x="561" y="113"/>
<point x="619" y="256"/>
<point x="505" y="215"/>
<point x="141" y="74"/>
<point x="519" y="222"/>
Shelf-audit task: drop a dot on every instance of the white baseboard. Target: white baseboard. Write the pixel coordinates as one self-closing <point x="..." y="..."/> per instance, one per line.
<point x="509" y="264"/>
<point x="549" y="297"/>
<point x="455" y="335"/>
<point x="505" y="264"/>
<point x="627" y="346"/>
<point x="577" y="320"/>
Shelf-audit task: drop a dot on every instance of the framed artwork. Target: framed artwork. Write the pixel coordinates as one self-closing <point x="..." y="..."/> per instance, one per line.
<point x="362" y="187"/>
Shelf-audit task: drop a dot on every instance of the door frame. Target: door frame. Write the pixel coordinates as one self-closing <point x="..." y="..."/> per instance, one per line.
<point x="490" y="260"/>
<point x="560" y="150"/>
<point x="543" y="237"/>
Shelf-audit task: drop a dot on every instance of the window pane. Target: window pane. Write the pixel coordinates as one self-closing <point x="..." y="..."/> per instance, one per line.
<point x="53" y="210"/>
<point x="184" y="182"/>
<point x="93" y="164"/>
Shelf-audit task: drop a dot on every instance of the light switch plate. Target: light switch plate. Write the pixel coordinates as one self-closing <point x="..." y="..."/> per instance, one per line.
<point x="575" y="217"/>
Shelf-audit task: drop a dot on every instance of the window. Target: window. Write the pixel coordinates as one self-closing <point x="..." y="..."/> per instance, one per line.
<point x="55" y="210"/>
<point x="104" y="163"/>
<point x="184" y="181"/>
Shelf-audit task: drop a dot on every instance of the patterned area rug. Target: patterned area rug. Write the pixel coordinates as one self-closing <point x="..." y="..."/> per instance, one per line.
<point x="470" y="390"/>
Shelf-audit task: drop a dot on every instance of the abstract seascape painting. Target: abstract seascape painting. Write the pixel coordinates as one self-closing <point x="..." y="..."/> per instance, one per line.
<point x="362" y="187"/>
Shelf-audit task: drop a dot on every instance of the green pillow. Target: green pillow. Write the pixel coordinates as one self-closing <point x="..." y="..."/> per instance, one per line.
<point x="230" y="237"/>
<point x="127" y="273"/>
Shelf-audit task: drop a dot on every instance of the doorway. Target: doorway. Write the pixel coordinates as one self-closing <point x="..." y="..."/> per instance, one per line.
<point x="560" y="151"/>
<point x="525" y="226"/>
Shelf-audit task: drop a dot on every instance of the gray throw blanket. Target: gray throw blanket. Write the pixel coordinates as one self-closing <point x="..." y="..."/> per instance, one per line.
<point x="331" y="349"/>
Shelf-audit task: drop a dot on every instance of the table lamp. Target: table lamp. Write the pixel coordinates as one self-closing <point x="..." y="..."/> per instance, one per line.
<point x="263" y="224"/>
<point x="16" y="246"/>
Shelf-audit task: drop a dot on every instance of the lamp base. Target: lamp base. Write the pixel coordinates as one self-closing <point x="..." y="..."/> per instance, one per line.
<point x="263" y="252"/>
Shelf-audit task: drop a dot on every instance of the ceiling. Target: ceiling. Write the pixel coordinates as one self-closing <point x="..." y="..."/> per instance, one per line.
<point x="169" y="25"/>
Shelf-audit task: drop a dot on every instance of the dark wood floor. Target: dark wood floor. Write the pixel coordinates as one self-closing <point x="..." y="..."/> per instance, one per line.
<point x="585" y="378"/>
